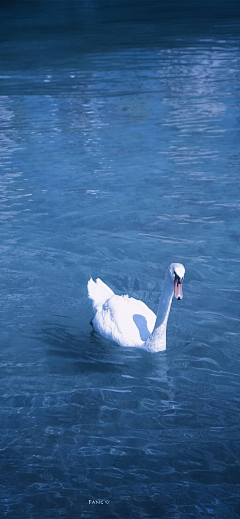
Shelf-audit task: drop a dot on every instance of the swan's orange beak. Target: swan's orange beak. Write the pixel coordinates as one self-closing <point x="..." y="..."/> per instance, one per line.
<point x="178" y="289"/>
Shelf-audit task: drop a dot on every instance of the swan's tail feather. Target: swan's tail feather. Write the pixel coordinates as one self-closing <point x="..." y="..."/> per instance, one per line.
<point x="98" y="292"/>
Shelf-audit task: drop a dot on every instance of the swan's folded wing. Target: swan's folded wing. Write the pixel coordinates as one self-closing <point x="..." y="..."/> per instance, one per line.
<point x="98" y="292"/>
<point x="124" y="320"/>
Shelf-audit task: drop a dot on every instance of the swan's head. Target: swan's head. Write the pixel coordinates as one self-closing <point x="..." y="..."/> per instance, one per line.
<point x="177" y="272"/>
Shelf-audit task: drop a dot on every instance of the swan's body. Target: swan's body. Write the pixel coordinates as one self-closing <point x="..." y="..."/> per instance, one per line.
<point x="128" y="321"/>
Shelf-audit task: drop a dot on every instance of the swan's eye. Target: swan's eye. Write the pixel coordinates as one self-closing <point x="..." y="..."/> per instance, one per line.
<point x="177" y="278"/>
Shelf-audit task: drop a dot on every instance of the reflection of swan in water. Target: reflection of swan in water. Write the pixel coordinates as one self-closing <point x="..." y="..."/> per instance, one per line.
<point x="128" y="321"/>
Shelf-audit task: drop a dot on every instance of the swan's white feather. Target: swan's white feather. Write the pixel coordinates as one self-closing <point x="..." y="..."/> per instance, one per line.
<point x="123" y="319"/>
<point x="98" y="292"/>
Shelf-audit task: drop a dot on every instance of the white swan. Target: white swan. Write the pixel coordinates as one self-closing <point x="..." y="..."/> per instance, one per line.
<point x="128" y="321"/>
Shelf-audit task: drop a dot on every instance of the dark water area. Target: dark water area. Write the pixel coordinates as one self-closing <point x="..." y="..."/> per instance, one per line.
<point x="119" y="153"/>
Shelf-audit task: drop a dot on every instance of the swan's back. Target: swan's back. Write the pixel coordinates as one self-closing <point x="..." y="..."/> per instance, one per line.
<point x="122" y="319"/>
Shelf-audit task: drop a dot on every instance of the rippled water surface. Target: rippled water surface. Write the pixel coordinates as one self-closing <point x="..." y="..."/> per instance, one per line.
<point x="119" y="140"/>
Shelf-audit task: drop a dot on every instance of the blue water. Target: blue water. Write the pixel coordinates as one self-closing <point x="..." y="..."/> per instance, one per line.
<point x="119" y="139"/>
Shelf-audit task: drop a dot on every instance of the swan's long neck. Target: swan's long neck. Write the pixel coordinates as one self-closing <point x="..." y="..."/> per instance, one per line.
<point x="157" y="339"/>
